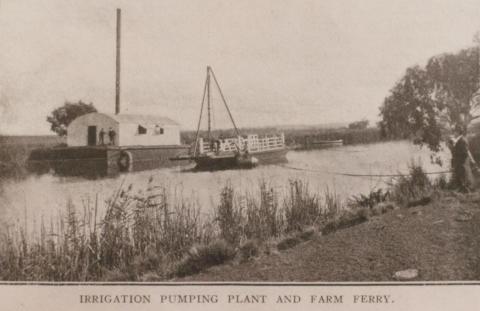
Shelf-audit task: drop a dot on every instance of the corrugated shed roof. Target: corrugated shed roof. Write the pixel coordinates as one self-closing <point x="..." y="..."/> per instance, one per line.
<point x="142" y="119"/>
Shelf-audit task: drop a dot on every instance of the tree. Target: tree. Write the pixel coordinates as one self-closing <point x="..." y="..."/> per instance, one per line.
<point x="61" y="117"/>
<point x="427" y="103"/>
<point x="358" y="125"/>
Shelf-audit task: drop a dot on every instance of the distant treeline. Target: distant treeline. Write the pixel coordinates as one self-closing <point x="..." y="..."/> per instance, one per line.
<point x="32" y="140"/>
<point x="295" y="137"/>
<point x="14" y="152"/>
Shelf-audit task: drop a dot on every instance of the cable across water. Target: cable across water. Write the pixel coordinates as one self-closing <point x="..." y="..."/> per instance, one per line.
<point x="355" y="175"/>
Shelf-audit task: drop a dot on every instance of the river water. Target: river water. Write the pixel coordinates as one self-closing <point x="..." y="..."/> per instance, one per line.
<point x="47" y="195"/>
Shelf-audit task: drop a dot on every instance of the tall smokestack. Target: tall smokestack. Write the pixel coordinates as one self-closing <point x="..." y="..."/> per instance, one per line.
<point x="117" y="76"/>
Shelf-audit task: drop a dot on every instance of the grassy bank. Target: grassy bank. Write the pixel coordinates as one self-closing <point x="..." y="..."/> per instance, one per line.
<point x="151" y="236"/>
<point x="439" y="240"/>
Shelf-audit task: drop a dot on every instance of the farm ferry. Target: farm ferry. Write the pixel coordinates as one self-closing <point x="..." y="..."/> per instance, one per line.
<point x="212" y="153"/>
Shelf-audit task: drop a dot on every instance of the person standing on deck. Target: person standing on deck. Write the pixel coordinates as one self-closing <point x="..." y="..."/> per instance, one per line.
<point x="101" y="137"/>
<point x="111" y="135"/>
<point x="462" y="162"/>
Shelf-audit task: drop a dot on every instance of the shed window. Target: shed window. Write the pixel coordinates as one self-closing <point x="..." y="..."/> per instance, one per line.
<point x="158" y="130"/>
<point x="141" y="130"/>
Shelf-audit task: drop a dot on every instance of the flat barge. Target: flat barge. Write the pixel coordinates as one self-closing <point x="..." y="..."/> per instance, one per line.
<point x="102" y="161"/>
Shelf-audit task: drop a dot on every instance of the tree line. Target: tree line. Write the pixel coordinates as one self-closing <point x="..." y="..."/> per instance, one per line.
<point x="429" y="101"/>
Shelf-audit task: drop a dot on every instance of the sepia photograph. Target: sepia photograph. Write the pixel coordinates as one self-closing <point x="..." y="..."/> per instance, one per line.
<point x="239" y="142"/>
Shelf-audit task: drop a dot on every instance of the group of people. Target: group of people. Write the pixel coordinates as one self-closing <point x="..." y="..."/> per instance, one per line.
<point x="217" y="146"/>
<point x="111" y="136"/>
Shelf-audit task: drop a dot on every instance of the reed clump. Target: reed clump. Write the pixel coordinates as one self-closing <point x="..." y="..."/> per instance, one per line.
<point x="301" y="208"/>
<point x="138" y="233"/>
<point x="262" y="215"/>
<point x="411" y="187"/>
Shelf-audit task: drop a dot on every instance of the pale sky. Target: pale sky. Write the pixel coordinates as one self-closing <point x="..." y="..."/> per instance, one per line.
<point x="278" y="62"/>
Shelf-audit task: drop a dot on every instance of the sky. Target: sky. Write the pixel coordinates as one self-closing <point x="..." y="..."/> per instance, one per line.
<point x="278" y="62"/>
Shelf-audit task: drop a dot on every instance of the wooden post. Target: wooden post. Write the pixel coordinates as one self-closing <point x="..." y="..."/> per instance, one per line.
<point x="208" y="103"/>
<point x="200" y="145"/>
<point x="117" y="75"/>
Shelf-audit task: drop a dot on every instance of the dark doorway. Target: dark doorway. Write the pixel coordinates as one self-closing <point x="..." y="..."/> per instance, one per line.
<point x="92" y="135"/>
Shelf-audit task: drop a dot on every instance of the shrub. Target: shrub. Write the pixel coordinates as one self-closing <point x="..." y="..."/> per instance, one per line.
<point x="411" y="187"/>
<point x="382" y="208"/>
<point x="441" y="182"/>
<point x="307" y="233"/>
<point x="345" y="220"/>
<point x="288" y="242"/>
<point x="249" y="249"/>
<point x="369" y="201"/>
<point x="205" y="256"/>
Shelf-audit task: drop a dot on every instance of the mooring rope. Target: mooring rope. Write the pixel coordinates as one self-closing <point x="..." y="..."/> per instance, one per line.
<point x="355" y="175"/>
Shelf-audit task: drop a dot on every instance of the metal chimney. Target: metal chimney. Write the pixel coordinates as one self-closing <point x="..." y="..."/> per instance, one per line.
<point x="117" y="76"/>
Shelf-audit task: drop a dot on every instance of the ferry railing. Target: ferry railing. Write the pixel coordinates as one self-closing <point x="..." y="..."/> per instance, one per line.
<point x="252" y="143"/>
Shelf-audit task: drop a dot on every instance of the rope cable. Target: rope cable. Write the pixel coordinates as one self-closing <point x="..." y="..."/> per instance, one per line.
<point x="224" y="101"/>
<point x="355" y="175"/>
<point x="200" y="117"/>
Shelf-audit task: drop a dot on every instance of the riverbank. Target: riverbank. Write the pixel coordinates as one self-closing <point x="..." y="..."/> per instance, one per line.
<point x="147" y="236"/>
<point x="439" y="240"/>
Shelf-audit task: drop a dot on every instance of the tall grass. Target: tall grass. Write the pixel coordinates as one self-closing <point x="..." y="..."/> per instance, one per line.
<point x="138" y="233"/>
<point x="301" y="208"/>
<point x="263" y="215"/>
<point x="244" y="216"/>
<point x="151" y="233"/>
<point x="154" y="235"/>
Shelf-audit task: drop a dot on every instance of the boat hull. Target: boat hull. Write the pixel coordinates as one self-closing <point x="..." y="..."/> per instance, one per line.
<point x="322" y="144"/>
<point x="231" y="161"/>
<point x="103" y="161"/>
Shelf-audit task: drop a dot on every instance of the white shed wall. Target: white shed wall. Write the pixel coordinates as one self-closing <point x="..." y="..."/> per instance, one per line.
<point x="126" y="133"/>
<point x="77" y="131"/>
<point x="129" y="135"/>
